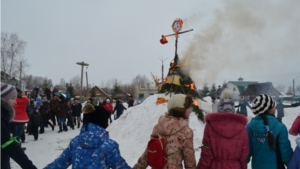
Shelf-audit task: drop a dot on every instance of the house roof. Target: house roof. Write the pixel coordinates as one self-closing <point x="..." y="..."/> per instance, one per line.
<point x="96" y="87"/>
<point x="261" y="88"/>
<point x="242" y="83"/>
<point x="120" y="95"/>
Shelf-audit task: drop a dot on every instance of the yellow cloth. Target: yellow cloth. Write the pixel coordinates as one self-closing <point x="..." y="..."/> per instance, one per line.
<point x="175" y="79"/>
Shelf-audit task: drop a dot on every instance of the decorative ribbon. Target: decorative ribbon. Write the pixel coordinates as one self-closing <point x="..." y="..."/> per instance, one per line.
<point x="11" y="140"/>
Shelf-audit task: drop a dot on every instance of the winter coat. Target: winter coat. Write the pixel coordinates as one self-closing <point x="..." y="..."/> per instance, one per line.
<point x="215" y="106"/>
<point x="14" y="149"/>
<point x="119" y="107"/>
<point x="54" y="106"/>
<point x="76" y="109"/>
<point x="48" y="93"/>
<point x="130" y="103"/>
<point x="280" y="111"/>
<point x="36" y="118"/>
<point x="91" y="149"/>
<point x="20" y="109"/>
<point x="225" y="142"/>
<point x="108" y="107"/>
<point x="295" y="129"/>
<point x="262" y="155"/>
<point x="242" y="107"/>
<point x="178" y="138"/>
<point x="63" y="110"/>
<point x="295" y="160"/>
<point x="36" y="91"/>
<point x="44" y="107"/>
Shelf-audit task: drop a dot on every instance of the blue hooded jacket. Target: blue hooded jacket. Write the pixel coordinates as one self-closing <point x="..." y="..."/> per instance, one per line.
<point x="91" y="149"/>
<point x="262" y="155"/>
<point x="295" y="161"/>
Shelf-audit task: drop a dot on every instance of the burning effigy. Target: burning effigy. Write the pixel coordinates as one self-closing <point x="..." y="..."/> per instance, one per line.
<point x="177" y="81"/>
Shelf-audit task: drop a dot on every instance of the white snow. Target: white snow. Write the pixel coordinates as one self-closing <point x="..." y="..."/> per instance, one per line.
<point x="132" y="131"/>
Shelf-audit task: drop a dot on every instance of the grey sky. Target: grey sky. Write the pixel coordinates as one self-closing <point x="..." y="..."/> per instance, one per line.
<point x="259" y="41"/>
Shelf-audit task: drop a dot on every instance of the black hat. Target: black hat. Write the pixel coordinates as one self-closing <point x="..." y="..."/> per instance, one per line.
<point x="96" y="115"/>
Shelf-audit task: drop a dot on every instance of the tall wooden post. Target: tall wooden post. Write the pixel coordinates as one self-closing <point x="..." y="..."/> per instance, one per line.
<point x="81" y="64"/>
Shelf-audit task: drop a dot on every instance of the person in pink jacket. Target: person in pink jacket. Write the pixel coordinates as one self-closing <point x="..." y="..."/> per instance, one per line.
<point x="225" y="139"/>
<point x="21" y="117"/>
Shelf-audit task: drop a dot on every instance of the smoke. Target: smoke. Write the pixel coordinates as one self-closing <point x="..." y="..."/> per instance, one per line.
<point x="253" y="39"/>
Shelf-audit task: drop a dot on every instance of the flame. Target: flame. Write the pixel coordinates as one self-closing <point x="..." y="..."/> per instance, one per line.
<point x="195" y="102"/>
<point x="191" y="86"/>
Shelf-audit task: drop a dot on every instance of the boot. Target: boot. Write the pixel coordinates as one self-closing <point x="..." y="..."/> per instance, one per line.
<point x="78" y="126"/>
<point x="65" y="128"/>
<point x="60" y="130"/>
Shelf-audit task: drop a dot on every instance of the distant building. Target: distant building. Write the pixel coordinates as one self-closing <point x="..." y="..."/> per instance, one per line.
<point x="238" y="87"/>
<point x="99" y="93"/>
<point x="145" y="92"/>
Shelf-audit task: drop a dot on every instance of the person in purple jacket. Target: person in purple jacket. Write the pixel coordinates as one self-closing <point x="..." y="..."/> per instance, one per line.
<point x="294" y="163"/>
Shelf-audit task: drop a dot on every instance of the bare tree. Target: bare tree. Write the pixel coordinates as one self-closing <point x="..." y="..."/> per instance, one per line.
<point x="12" y="50"/>
<point x="143" y="80"/>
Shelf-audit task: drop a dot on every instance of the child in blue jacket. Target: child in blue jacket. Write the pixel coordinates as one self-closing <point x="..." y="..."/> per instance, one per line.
<point x="92" y="148"/>
<point x="270" y="147"/>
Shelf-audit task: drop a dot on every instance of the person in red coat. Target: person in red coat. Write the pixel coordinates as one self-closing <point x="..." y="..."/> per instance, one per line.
<point x="295" y="129"/>
<point x="108" y="106"/>
<point x="21" y="117"/>
<point x="225" y="139"/>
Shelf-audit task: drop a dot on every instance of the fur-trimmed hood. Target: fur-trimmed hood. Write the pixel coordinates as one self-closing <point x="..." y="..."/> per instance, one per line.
<point x="226" y="124"/>
<point x="7" y="110"/>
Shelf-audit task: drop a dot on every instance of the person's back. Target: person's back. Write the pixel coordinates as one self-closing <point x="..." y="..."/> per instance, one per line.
<point x="268" y="139"/>
<point x="225" y="139"/>
<point x="92" y="148"/>
<point x="178" y="135"/>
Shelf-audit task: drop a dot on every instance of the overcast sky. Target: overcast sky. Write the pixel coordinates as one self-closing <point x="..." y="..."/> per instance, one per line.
<point x="257" y="40"/>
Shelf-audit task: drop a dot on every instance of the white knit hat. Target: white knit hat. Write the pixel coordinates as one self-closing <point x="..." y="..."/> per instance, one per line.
<point x="262" y="103"/>
<point x="176" y="100"/>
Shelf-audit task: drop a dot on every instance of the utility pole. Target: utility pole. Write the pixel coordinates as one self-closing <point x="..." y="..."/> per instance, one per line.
<point x="87" y="81"/>
<point x="81" y="64"/>
<point x="162" y="68"/>
<point x="21" y="76"/>
<point x="294" y="86"/>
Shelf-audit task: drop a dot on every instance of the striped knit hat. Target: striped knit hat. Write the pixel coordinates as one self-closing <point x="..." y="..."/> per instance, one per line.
<point x="7" y="91"/>
<point x="262" y="104"/>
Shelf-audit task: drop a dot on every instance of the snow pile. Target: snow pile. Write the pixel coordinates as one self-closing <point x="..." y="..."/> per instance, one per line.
<point x="132" y="130"/>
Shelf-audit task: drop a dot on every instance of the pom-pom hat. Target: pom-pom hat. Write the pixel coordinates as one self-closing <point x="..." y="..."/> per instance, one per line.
<point x="7" y="91"/>
<point x="262" y="103"/>
<point x="176" y="101"/>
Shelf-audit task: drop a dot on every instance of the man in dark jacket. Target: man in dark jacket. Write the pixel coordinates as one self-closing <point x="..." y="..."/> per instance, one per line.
<point x="130" y="102"/>
<point x="242" y="107"/>
<point x="120" y="108"/>
<point x="48" y="93"/>
<point x="76" y="112"/>
<point x="43" y="111"/>
<point x="10" y="147"/>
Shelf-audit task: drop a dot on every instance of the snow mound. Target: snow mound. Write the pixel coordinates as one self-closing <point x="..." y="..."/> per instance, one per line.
<point x="132" y="130"/>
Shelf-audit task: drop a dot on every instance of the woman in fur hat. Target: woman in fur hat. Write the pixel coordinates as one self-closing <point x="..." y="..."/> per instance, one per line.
<point x="268" y="139"/>
<point x="92" y="148"/>
<point x="225" y="138"/>
<point x="179" y="147"/>
<point x="10" y="147"/>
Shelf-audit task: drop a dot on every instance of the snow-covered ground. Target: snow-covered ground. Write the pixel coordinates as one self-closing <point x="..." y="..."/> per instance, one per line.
<point x="132" y="131"/>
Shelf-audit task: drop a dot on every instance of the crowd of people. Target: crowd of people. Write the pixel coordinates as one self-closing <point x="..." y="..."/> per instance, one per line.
<point x="229" y="140"/>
